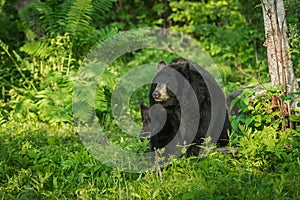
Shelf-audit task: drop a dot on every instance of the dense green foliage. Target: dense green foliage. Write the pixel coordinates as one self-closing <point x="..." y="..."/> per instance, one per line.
<point x="42" y="47"/>
<point x="42" y="162"/>
<point x="51" y="39"/>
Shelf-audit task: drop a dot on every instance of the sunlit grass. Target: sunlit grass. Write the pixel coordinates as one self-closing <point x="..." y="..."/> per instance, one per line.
<point x="40" y="162"/>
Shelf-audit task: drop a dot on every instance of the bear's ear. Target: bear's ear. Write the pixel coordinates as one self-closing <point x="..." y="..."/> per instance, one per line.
<point x="161" y="65"/>
<point x="186" y="65"/>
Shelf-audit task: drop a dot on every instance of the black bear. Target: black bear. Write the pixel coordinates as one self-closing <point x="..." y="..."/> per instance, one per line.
<point x="167" y="109"/>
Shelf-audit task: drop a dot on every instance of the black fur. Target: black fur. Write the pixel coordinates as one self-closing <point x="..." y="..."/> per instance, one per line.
<point x="161" y="138"/>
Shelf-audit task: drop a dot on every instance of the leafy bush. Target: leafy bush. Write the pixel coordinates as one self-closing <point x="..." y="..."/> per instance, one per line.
<point x="267" y="148"/>
<point x="265" y="109"/>
<point x="260" y="130"/>
<point x="36" y="80"/>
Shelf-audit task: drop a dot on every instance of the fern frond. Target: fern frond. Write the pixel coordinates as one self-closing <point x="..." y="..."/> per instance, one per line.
<point x="6" y="50"/>
<point x="55" y="101"/>
<point x="85" y="93"/>
<point x="37" y="49"/>
<point x="104" y="33"/>
<point x="82" y="111"/>
<point x="3" y="45"/>
<point x="102" y="6"/>
<point x="79" y="17"/>
<point x="38" y="14"/>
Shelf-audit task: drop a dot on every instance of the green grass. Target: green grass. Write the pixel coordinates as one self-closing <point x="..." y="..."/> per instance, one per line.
<point x="42" y="162"/>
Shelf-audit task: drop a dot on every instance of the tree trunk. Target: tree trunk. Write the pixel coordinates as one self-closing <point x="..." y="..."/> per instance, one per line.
<point x="279" y="60"/>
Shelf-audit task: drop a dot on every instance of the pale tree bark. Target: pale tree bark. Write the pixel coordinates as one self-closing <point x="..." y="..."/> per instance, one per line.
<point x="279" y="59"/>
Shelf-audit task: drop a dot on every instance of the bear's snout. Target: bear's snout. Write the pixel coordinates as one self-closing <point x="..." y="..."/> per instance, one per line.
<point x="156" y="95"/>
<point x="160" y="93"/>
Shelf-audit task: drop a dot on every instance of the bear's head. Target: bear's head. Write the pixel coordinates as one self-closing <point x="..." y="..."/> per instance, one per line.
<point x="160" y="90"/>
